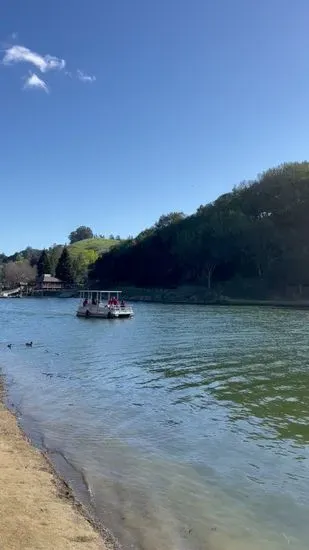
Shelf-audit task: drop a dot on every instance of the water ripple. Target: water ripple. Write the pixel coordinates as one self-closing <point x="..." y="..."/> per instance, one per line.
<point x="191" y="422"/>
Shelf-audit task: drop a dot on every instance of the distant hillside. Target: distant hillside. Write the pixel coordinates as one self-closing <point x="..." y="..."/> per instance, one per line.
<point x="26" y="264"/>
<point x="97" y="244"/>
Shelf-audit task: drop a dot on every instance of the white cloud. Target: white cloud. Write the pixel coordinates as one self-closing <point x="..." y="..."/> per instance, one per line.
<point x="85" y="77"/>
<point x="14" y="35"/>
<point x="15" y="53"/>
<point x="20" y="54"/>
<point x="33" y="81"/>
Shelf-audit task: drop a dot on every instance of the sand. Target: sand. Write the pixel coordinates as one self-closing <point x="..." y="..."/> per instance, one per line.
<point x="37" y="510"/>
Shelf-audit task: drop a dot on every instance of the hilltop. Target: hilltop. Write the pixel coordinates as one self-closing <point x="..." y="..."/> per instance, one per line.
<point x="96" y="244"/>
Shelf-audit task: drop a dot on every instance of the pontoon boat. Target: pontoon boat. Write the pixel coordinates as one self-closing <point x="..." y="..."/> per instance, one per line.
<point x="105" y="304"/>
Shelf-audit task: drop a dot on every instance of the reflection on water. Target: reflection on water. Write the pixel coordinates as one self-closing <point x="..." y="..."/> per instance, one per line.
<point x="189" y="424"/>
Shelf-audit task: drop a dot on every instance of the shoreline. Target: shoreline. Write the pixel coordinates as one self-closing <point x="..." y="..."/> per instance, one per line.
<point x="38" y="507"/>
<point x="165" y="299"/>
<point x="189" y="295"/>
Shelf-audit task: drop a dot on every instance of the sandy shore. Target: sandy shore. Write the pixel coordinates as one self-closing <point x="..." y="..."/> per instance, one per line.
<point x="37" y="510"/>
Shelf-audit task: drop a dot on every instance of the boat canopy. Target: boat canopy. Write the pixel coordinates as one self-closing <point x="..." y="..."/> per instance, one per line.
<point x="99" y="295"/>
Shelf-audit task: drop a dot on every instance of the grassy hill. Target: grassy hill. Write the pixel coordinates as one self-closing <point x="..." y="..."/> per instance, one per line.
<point x="96" y="244"/>
<point x="85" y="253"/>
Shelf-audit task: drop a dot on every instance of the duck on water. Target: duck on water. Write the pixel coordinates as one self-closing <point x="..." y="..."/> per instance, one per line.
<point x="103" y="304"/>
<point x="28" y="345"/>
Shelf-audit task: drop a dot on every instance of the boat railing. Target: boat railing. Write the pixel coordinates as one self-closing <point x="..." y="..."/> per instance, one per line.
<point x="119" y="306"/>
<point x="104" y="304"/>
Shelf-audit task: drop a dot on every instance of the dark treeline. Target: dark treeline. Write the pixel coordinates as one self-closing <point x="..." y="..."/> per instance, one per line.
<point x="253" y="239"/>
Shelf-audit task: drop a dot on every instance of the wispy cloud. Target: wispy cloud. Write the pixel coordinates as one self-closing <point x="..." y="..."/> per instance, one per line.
<point x="20" y="54"/>
<point x="85" y="77"/>
<point x="17" y="54"/>
<point x="33" y="81"/>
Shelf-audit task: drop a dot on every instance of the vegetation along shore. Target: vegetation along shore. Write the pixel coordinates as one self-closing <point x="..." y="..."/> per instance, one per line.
<point x="249" y="244"/>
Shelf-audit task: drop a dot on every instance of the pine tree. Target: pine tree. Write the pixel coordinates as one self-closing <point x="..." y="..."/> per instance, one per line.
<point x="64" y="270"/>
<point x="43" y="264"/>
<point x="54" y="254"/>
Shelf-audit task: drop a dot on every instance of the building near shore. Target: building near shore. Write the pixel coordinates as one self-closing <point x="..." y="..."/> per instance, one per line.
<point x="48" y="282"/>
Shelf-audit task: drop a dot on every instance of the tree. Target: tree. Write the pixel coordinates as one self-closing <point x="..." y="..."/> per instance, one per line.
<point x="80" y="234"/>
<point x="43" y="264"/>
<point x="81" y="263"/>
<point x="145" y="233"/>
<point x="64" y="270"/>
<point x="32" y="255"/>
<point x="15" y="273"/>
<point x="54" y="254"/>
<point x="167" y="219"/>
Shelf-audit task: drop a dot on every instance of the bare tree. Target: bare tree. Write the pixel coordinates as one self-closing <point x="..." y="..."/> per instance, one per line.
<point x="15" y="273"/>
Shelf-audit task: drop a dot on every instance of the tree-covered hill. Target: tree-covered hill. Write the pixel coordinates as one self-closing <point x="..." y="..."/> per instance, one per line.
<point x="256" y="237"/>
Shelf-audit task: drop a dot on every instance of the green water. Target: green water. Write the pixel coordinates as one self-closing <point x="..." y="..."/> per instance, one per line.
<point x="189" y="424"/>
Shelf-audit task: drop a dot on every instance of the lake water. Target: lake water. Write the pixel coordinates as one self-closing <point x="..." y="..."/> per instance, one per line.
<point x="189" y="424"/>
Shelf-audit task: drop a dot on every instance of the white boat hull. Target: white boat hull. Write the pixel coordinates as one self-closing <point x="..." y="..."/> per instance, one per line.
<point x="94" y="311"/>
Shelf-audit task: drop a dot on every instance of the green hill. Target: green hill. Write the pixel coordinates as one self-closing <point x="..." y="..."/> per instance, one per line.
<point x="85" y="253"/>
<point x="96" y="244"/>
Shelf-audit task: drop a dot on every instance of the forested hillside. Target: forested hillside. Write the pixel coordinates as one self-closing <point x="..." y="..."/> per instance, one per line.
<point x="254" y="238"/>
<point x="251" y="242"/>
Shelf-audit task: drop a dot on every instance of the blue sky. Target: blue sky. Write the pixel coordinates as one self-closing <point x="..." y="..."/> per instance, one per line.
<point x="183" y="100"/>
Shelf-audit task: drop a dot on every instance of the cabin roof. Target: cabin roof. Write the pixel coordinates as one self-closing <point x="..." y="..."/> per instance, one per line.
<point x="47" y="278"/>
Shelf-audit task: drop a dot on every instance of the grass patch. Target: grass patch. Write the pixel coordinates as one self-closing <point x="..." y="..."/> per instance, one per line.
<point x="97" y="244"/>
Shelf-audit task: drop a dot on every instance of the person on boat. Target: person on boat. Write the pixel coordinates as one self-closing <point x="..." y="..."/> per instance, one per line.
<point x="85" y="302"/>
<point x="123" y="303"/>
<point x="94" y="301"/>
